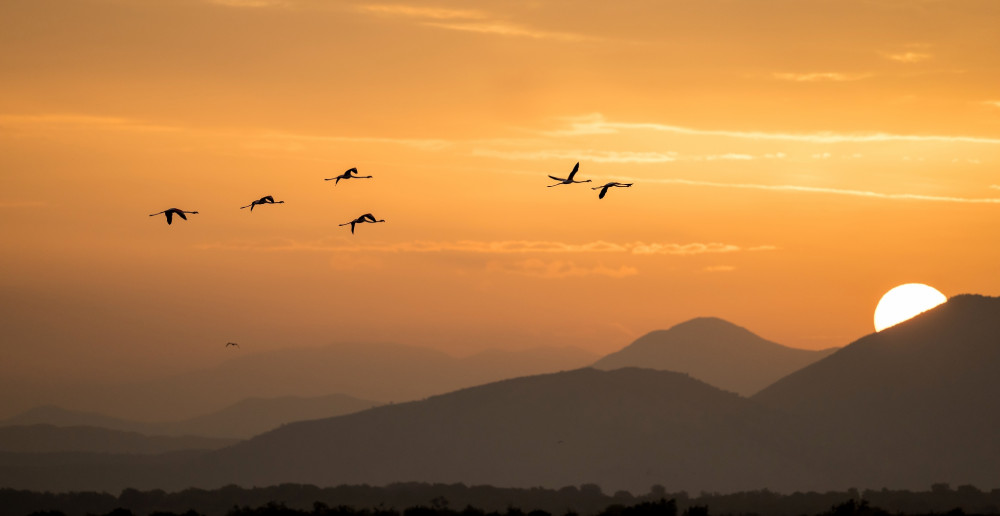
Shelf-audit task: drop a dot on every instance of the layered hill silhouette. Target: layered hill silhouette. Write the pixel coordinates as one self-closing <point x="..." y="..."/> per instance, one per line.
<point x="716" y="352"/>
<point x="53" y="439"/>
<point x="914" y="403"/>
<point x="239" y="421"/>
<point x="377" y="372"/>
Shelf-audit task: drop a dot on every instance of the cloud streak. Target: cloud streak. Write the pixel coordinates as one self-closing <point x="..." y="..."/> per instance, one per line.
<point x="597" y="124"/>
<point x="821" y="77"/>
<point x="908" y="57"/>
<point x="467" y="20"/>
<point x="559" y="269"/>
<point x="822" y="190"/>
<point x="500" y="247"/>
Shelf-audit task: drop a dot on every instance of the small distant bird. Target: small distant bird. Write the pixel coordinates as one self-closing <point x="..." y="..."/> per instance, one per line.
<point x="569" y="180"/>
<point x="347" y="175"/>
<point x="604" y="189"/>
<point x="267" y="199"/>
<point x="232" y="344"/>
<point x="171" y="212"/>
<point x="367" y="217"/>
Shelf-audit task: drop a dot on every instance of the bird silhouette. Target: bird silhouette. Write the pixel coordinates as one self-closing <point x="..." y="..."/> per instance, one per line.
<point x="171" y="212"/>
<point x="347" y="175"/>
<point x="232" y="344"/>
<point x="569" y="180"/>
<point x="367" y="217"/>
<point x="267" y="199"/>
<point x="604" y="189"/>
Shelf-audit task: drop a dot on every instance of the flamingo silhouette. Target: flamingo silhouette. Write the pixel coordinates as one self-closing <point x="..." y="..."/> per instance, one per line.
<point x="232" y="344"/>
<point x="347" y="175"/>
<point x="569" y="180"/>
<point x="367" y="217"/>
<point x="267" y="199"/>
<point x="604" y="189"/>
<point x="171" y="212"/>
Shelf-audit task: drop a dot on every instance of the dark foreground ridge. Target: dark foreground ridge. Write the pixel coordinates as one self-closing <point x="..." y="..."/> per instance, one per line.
<point x="414" y="499"/>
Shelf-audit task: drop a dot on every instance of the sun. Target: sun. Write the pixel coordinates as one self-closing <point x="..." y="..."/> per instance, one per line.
<point x="904" y="302"/>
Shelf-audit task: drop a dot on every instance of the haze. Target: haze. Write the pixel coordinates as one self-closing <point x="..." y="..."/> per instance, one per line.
<point x="792" y="161"/>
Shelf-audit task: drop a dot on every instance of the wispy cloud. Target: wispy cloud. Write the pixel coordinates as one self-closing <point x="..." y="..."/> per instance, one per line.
<point x="821" y="77"/>
<point x="489" y="247"/>
<point x="719" y="268"/>
<point x="597" y="124"/>
<point x="580" y="155"/>
<point x="995" y="187"/>
<point x="468" y="20"/>
<point x="992" y="103"/>
<point x="822" y="190"/>
<point x="908" y="57"/>
<point x="558" y="269"/>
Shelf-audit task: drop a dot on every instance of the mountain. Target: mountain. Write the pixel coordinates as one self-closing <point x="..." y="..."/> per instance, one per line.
<point x="52" y="439"/>
<point x="380" y="372"/>
<point x="623" y="429"/>
<point x="242" y="420"/>
<point x="912" y="404"/>
<point x="716" y="352"/>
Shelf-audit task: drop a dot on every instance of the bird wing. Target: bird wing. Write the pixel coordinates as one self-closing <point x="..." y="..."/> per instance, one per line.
<point x="352" y="226"/>
<point x="181" y="214"/>
<point x="575" y="168"/>
<point x="603" y="191"/>
<point x="170" y="216"/>
<point x="558" y="178"/>
<point x="267" y="198"/>
<point x="369" y="216"/>
<point x="352" y="170"/>
<point x="338" y="179"/>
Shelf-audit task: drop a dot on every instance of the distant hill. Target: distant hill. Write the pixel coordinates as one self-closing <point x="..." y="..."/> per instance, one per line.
<point x="50" y="439"/>
<point x="716" y="352"/>
<point x="379" y="372"/>
<point x="239" y="421"/>
<point x="913" y="404"/>
<point x="623" y="429"/>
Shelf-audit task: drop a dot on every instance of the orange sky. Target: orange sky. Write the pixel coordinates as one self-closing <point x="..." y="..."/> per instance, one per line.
<point x="792" y="161"/>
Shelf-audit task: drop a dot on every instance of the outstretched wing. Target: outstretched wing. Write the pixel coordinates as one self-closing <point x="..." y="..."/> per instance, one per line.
<point x="557" y="178"/>
<point x="353" y="222"/>
<point x="603" y="191"/>
<point x="575" y="168"/>
<point x="368" y="216"/>
<point x="267" y="198"/>
<point x="352" y="170"/>
<point x="170" y="216"/>
<point x="181" y="214"/>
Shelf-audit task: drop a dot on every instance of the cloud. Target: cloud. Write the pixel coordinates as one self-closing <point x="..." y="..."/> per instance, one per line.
<point x="580" y="155"/>
<point x="821" y="190"/>
<point x="821" y="77"/>
<point x="559" y="269"/>
<point x="467" y="20"/>
<point x="719" y="268"/>
<point x="908" y="57"/>
<point x="597" y="124"/>
<point x="487" y="247"/>
<point x="433" y="13"/>
<point x="992" y="103"/>
<point x="995" y="187"/>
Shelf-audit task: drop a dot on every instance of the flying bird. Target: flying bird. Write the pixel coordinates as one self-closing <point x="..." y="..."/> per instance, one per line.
<point x="232" y="344"/>
<point x="604" y="189"/>
<point x="171" y="212"/>
<point x="367" y="217"/>
<point x="267" y="199"/>
<point x="569" y="180"/>
<point x="347" y="175"/>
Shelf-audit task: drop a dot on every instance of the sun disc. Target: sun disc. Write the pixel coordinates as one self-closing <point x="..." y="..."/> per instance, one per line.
<point x="905" y="302"/>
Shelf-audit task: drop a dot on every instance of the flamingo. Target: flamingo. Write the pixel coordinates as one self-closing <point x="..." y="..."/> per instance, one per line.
<point x="232" y="344"/>
<point x="367" y="217"/>
<point x="569" y="180"/>
<point x="171" y="212"/>
<point x="604" y="189"/>
<point x="267" y="199"/>
<point x="347" y="175"/>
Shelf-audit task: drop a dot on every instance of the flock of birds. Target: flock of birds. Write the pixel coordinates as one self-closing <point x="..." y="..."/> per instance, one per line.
<point x="352" y="173"/>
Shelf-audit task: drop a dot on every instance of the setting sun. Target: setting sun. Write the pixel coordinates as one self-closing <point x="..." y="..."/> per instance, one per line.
<point x="905" y="302"/>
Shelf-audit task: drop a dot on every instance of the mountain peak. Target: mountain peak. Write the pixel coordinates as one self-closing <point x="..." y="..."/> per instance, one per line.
<point x="715" y="351"/>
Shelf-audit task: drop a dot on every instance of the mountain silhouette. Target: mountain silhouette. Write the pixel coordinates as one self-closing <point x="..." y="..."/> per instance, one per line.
<point x="242" y="420"/>
<point x="377" y="372"/>
<point x="51" y="439"/>
<point x="624" y="429"/>
<point x="912" y="404"/>
<point x="716" y="352"/>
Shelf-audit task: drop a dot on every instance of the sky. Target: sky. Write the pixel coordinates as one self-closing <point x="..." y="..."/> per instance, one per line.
<point x="792" y="161"/>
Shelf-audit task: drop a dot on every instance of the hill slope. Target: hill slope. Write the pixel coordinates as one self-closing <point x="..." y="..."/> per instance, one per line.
<point x="628" y="428"/>
<point x="716" y="352"/>
<point x="53" y="439"/>
<point x="915" y="403"/>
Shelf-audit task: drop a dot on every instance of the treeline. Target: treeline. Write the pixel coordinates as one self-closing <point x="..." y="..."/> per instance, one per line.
<point x="419" y="499"/>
